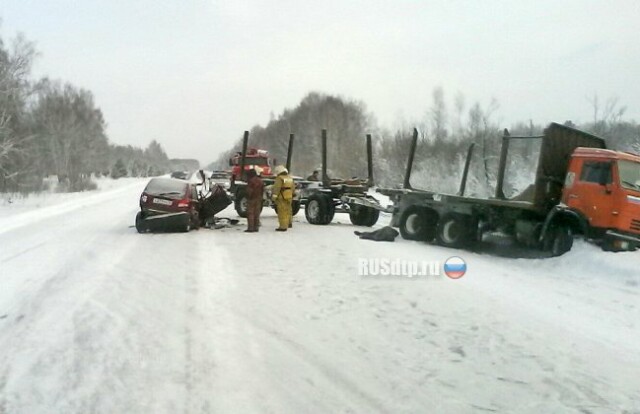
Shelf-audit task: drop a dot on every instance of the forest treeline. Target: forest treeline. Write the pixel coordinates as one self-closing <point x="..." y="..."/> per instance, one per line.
<point x="52" y="127"/>
<point x="445" y="133"/>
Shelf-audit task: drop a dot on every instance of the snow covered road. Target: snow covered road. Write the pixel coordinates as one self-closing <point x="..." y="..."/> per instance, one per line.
<point x="95" y="318"/>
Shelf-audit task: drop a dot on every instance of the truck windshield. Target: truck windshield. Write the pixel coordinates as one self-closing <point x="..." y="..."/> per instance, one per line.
<point x="256" y="161"/>
<point x="629" y="174"/>
<point x="252" y="161"/>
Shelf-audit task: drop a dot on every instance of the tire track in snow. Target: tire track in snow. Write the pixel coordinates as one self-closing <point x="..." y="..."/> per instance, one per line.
<point x="325" y="368"/>
<point x="42" y="342"/>
<point x="275" y="372"/>
<point x="22" y="252"/>
<point x="190" y="300"/>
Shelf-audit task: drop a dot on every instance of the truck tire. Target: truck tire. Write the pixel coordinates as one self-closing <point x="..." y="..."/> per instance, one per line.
<point x="295" y="207"/>
<point x="363" y="216"/>
<point x="141" y="226"/>
<point x="373" y="217"/>
<point x="417" y="223"/>
<point x="456" y="230"/>
<point x="319" y="209"/>
<point x="357" y="214"/>
<point x="240" y="204"/>
<point x="558" y="239"/>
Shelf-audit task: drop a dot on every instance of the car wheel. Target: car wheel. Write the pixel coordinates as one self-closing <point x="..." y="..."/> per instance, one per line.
<point x="195" y="219"/>
<point x="140" y="222"/>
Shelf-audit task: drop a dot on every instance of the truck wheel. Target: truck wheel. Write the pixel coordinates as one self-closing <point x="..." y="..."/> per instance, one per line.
<point x="455" y="230"/>
<point x="355" y="214"/>
<point x="363" y="216"/>
<point x="373" y="217"/>
<point x="319" y="209"/>
<point x="558" y="240"/>
<point x="418" y="224"/>
<point x="295" y="207"/>
<point x="358" y="214"/>
<point x="140" y="222"/>
<point x="332" y="210"/>
<point x="241" y="203"/>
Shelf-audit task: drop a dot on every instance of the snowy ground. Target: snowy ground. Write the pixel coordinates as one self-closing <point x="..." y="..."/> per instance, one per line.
<point x="95" y="318"/>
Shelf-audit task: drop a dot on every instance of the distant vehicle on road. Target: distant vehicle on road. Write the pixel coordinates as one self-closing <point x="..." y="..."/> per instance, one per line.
<point x="220" y="177"/>
<point x="181" y="175"/>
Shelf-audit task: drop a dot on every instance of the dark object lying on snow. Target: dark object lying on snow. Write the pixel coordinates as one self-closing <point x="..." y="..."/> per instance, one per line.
<point x="221" y="223"/>
<point x="384" y="234"/>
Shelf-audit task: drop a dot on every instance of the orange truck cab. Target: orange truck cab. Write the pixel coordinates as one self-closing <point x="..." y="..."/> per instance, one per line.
<point x="602" y="187"/>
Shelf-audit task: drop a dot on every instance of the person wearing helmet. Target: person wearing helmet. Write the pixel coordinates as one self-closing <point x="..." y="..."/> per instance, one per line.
<point x="282" y="195"/>
<point x="255" y="188"/>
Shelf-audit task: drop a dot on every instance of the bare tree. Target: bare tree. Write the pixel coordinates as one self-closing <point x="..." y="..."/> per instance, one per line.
<point x="438" y="116"/>
<point x="70" y="131"/>
<point x="15" y="66"/>
<point x="605" y="119"/>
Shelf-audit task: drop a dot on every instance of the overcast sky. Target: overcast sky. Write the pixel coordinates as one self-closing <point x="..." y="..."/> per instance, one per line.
<point x="194" y="74"/>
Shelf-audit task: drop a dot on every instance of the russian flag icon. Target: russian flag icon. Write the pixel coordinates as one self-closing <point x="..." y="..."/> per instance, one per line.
<point x="455" y="267"/>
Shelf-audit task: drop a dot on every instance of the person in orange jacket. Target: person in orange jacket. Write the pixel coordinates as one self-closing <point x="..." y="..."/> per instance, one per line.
<point x="255" y="188"/>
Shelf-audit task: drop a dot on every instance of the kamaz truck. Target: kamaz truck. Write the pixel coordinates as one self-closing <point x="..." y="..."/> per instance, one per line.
<point x="580" y="189"/>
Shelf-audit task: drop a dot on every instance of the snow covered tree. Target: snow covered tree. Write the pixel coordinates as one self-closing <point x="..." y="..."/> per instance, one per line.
<point x="15" y="140"/>
<point x="119" y="170"/>
<point x="70" y="131"/>
<point x="346" y="121"/>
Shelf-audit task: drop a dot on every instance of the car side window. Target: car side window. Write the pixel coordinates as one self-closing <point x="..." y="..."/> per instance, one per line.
<point x="596" y="172"/>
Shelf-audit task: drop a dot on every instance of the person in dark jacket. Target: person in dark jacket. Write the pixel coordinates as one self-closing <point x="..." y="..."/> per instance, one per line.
<point x="255" y="188"/>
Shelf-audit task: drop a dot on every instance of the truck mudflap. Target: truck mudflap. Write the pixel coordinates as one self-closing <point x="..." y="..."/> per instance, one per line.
<point x="617" y="241"/>
<point x="366" y="202"/>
